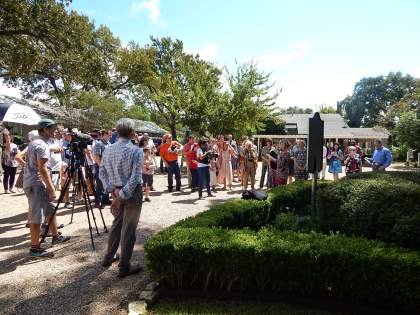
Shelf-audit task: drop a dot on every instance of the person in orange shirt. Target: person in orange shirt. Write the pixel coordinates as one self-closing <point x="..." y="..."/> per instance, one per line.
<point x="169" y="152"/>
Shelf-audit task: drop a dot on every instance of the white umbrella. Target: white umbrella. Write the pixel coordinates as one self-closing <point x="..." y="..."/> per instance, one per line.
<point x="17" y="113"/>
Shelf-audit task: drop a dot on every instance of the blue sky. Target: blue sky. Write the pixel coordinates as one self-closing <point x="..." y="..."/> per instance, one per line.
<point x="315" y="50"/>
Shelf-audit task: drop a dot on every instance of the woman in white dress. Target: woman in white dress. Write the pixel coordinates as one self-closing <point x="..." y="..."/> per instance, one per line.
<point x="225" y="171"/>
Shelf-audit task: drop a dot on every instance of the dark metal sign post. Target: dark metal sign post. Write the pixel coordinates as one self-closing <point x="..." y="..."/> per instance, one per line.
<point x="315" y="150"/>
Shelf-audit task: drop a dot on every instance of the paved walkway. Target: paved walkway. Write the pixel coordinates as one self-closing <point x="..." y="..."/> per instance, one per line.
<point x="73" y="282"/>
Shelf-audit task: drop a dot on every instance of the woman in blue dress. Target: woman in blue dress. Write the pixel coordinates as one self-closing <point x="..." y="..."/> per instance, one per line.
<point x="335" y="158"/>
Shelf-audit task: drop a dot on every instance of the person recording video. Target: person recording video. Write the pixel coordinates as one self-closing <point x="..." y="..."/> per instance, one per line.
<point x="169" y="152"/>
<point x="204" y="157"/>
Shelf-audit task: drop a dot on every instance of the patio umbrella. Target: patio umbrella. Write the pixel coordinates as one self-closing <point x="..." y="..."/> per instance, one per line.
<point x="19" y="114"/>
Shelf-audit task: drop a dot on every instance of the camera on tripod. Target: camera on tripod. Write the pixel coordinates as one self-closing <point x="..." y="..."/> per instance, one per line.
<point x="79" y="141"/>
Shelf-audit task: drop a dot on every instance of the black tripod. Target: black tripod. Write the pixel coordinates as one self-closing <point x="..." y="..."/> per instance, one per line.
<point x="75" y="175"/>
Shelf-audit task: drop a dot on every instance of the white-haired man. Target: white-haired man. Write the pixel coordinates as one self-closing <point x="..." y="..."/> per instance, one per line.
<point x="121" y="174"/>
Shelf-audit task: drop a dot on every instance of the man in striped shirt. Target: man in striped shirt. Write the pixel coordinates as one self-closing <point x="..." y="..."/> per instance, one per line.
<point x="121" y="174"/>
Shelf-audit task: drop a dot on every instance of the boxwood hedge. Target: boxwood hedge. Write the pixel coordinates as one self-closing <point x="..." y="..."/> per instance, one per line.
<point x="295" y="197"/>
<point x="228" y="247"/>
<point x="235" y="214"/>
<point x="353" y="269"/>
<point x="378" y="208"/>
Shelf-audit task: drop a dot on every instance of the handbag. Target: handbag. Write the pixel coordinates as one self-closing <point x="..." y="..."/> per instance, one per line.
<point x="19" y="181"/>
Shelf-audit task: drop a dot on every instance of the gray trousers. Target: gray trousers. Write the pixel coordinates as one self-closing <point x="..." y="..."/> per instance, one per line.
<point x="123" y="230"/>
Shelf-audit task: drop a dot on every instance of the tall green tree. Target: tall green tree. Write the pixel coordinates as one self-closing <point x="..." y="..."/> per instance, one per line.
<point x="246" y="104"/>
<point x="165" y="95"/>
<point x="47" y="50"/>
<point x="408" y="130"/>
<point x="373" y="97"/>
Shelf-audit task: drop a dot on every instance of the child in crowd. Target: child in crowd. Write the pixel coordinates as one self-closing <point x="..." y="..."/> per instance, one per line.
<point x="148" y="171"/>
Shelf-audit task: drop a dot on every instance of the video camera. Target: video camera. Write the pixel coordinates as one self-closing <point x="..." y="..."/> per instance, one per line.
<point x="79" y="141"/>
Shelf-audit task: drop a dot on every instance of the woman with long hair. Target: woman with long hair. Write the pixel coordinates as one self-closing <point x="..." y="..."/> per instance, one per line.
<point x="9" y="163"/>
<point x="335" y="157"/>
<point x="225" y="171"/>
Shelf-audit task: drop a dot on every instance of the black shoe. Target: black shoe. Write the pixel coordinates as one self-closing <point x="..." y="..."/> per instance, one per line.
<point x="193" y="190"/>
<point x="40" y="253"/>
<point x="211" y="195"/>
<point x="147" y="199"/>
<point x="200" y="198"/>
<point x="178" y="189"/>
<point x="107" y="263"/>
<point x="127" y="272"/>
<point x="170" y="190"/>
<point x="60" y="226"/>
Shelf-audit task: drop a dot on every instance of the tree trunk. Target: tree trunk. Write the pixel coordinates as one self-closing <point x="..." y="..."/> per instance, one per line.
<point x="173" y="130"/>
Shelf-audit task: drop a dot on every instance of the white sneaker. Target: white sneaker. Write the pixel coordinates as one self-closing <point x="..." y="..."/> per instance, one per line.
<point x="6" y="191"/>
<point x="12" y="191"/>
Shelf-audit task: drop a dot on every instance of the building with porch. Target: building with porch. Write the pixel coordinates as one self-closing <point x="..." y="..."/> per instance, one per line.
<point x="335" y="130"/>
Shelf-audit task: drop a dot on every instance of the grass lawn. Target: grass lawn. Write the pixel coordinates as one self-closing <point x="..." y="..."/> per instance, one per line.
<point x="213" y="307"/>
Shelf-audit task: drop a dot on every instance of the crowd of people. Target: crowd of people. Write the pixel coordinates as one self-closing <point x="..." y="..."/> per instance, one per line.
<point x="119" y="165"/>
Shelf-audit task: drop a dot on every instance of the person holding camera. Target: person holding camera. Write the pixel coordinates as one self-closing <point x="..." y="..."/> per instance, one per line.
<point x="204" y="158"/>
<point x="39" y="188"/>
<point x="335" y="159"/>
<point x="169" y="152"/>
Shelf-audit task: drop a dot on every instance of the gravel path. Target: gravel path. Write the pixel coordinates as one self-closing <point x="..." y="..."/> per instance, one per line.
<point x="73" y="282"/>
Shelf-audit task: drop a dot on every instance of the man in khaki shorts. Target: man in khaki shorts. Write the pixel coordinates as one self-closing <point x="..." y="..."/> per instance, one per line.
<point x="39" y="188"/>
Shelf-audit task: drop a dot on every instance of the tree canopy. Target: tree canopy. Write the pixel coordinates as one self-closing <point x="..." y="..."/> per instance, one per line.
<point x="373" y="97"/>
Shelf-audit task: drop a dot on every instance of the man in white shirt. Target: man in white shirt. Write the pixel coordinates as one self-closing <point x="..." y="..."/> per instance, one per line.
<point x="55" y="161"/>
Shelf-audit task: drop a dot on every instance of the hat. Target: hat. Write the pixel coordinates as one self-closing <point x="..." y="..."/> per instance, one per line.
<point x="46" y="123"/>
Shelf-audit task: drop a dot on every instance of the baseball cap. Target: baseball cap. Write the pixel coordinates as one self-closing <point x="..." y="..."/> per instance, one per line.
<point x="46" y="123"/>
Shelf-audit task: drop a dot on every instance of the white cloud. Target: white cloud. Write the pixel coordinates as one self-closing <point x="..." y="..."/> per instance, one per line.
<point x="208" y="52"/>
<point x="152" y="6"/>
<point x="295" y="51"/>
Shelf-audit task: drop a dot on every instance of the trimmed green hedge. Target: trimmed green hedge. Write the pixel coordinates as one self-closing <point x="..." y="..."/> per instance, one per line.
<point x="295" y="197"/>
<point x="234" y="214"/>
<point x="228" y="248"/>
<point x="376" y="208"/>
<point x="389" y="176"/>
<point x="353" y="269"/>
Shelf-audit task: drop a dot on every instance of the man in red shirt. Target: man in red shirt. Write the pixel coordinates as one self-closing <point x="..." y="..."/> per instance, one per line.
<point x="169" y="152"/>
<point x="190" y="153"/>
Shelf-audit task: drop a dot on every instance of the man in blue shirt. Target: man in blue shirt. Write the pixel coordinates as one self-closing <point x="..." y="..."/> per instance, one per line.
<point x="120" y="172"/>
<point x="382" y="157"/>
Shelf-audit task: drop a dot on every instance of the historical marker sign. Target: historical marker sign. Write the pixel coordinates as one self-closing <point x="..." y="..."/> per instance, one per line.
<point x="315" y="144"/>
<point x="315" y="150"/>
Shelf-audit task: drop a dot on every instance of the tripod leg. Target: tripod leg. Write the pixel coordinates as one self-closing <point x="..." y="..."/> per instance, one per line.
<point x="72" y="198"/>
<point x="60" y="200"/>
<point x="87" y="200"/>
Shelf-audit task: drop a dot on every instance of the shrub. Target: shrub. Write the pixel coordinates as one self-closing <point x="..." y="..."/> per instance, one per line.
<point x="295" y="197"/>
<point x="348" y="268"/>
<point x="389" y="176"/>
<point x="234" y="214"/>
<point x="286" y="222"/>
<point x="382" y="208"/>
